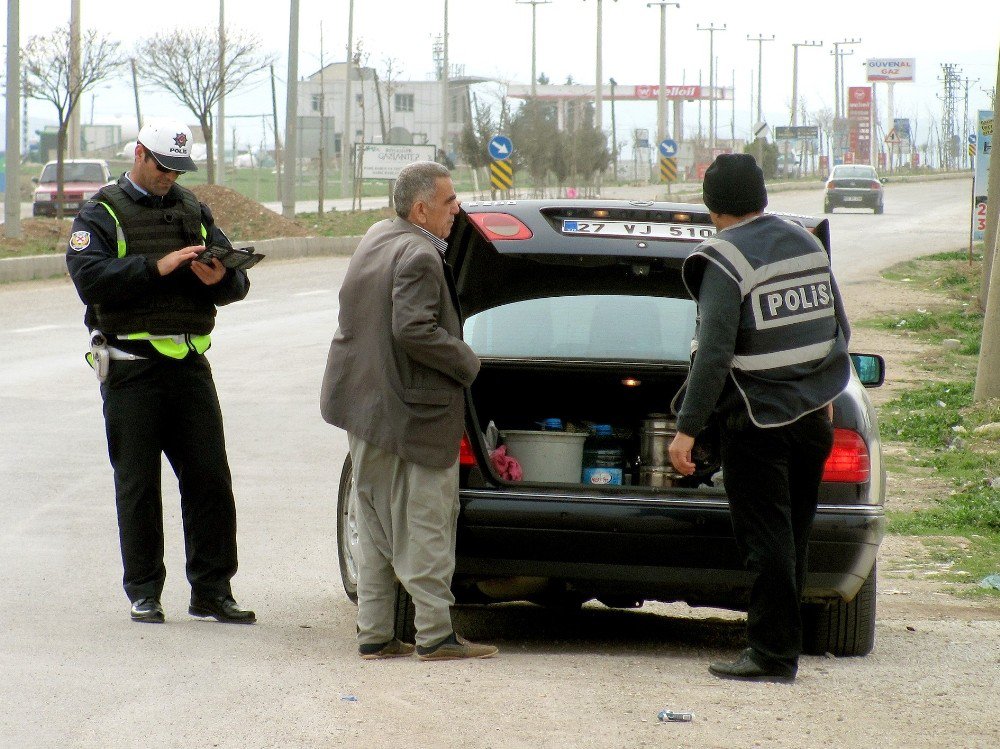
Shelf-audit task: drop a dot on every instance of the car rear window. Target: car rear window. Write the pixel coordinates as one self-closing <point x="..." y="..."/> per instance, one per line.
<point x="848" y="172"/>
<point x="598" y="327"/>
<point x="74" y="173"/>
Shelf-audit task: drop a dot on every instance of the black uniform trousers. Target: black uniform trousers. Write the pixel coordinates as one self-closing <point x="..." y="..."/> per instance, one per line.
<point x="772" y="477"/>
<point x="167" y="406"/>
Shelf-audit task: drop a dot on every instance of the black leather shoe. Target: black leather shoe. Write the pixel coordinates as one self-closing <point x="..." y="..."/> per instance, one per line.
<point x="747" y="669"/>
<point x="222" y="609"/>
<point x="147" y="610"/>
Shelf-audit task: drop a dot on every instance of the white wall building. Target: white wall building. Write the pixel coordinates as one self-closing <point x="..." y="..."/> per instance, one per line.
<point x="402" y="112"/>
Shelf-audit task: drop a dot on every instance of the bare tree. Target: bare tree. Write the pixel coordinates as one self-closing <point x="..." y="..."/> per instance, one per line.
<point x="185" y="62"/>
<point x="47" y="78"/>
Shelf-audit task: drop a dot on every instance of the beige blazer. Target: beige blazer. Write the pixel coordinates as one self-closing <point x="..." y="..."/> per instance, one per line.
<point x="398" y="367"/>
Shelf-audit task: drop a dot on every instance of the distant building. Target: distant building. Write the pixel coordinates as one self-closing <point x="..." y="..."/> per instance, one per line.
<point x="398" y="111"/>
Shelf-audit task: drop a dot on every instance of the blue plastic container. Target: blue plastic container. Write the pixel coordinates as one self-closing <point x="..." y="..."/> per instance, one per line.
<point x="603" y="457"/>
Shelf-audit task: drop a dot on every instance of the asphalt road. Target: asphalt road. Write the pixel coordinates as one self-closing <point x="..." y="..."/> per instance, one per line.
<point x="78" y="673"/>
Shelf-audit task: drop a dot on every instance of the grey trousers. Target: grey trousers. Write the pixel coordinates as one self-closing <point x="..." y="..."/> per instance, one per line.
<point x="407" y="515"/>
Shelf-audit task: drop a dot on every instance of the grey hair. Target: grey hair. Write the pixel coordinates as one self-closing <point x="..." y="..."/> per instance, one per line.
<point x="416" y="182"/>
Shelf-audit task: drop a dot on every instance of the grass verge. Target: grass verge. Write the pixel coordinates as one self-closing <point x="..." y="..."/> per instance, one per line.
<point x="941" y="428"/>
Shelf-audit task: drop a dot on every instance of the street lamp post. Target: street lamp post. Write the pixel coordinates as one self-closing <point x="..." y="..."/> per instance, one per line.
<point x="534" y="75"/>
<point x="661" y="96"/>
<point x="711" y="79"/>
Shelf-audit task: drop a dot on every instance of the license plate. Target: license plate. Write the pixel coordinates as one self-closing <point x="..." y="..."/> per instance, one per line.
<point x="853" y="199"/>
<point x="638" y="229"/>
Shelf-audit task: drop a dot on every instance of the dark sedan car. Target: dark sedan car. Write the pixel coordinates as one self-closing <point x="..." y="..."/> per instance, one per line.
<point x="853" y="186"/>
<point x="579" y="315"/>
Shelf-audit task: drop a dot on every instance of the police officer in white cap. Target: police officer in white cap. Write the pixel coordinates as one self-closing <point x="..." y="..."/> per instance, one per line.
<point x="150" y="308"/>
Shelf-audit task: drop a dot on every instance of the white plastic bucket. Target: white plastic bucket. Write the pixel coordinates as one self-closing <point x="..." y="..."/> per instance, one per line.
<point x="555" y="457"/>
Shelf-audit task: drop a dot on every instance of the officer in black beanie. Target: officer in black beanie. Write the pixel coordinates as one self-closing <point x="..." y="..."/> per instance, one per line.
<point x="767" y="368"/>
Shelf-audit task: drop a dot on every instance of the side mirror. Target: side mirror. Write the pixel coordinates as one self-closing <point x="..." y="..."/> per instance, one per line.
<point x="870" y="369"/>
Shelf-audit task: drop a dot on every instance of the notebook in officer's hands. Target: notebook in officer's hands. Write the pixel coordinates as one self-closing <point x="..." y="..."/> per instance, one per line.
<point x="238" y="258"/>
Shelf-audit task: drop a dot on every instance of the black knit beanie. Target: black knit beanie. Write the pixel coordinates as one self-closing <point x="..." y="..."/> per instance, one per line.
<point x="734" y="185"/>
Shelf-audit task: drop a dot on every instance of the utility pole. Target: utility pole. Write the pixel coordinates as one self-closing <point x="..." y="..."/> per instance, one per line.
<point x="795" y="77"/>
<point x="967" y="127"/>
<point x="711" y="78"/>
<point x="220" y="128"/>
<point x="12" y="188"/>
<point x="73" y="131"/>
<point x="837" y="75"/>
<point x="346" y="138"/>
<point x="445" y="102"/>
<point x="534" y="75"/>
<point x="322" y="125"/>
<point x="291" y="112"/>
<point x="599" y="89"/>
<point x="614" y="132"/>
<point x="135" y="91"/>
<point x="760" y="67"/>
<point x="277" y="135"/>
<point x="661" y="96"/>
<point x="951" y="83"/>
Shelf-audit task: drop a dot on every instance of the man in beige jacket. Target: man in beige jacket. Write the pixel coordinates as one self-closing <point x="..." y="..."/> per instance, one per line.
<point x="395" y="380"/>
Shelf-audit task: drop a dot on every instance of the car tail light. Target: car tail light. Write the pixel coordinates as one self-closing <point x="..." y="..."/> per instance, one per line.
<point x="465" y="455"/>
<point x="848" y="461"/>
<point x="876" y="185"/>
<point x="500" y="226"/>
<point x="830" y="185"/>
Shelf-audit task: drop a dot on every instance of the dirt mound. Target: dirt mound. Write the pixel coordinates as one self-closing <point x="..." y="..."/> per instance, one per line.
<point x="245" y="219"/>
<point x="39" y="236"/>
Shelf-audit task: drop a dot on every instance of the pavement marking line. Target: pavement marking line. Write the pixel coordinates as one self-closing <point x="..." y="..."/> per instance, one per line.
<point x="39" y="328"/>
<point x="313" y="293"/>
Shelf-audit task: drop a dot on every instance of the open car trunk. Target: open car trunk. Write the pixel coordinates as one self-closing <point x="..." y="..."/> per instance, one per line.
<point x="522" y="395"/>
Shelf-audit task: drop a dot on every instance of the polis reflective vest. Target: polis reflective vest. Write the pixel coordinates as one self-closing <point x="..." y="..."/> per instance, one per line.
<point x="177" y="316"/>
<point x="791" y="355"/>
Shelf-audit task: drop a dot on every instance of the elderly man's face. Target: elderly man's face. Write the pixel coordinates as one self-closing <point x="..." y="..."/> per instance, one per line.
<point x="438" y="214"/>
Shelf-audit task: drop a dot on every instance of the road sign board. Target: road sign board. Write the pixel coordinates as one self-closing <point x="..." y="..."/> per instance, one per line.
<point x="892" y="138"/>
<point x="796" y="132"/>
<point x="668" y="169"/>
<point x="501" y="174"/>
<point x="668" y="148"/>
<point x="385" y="161"/>
<point x="500" y="147"/>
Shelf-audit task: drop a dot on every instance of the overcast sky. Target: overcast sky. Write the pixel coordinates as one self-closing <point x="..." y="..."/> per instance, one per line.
<point x="492" y="38"/>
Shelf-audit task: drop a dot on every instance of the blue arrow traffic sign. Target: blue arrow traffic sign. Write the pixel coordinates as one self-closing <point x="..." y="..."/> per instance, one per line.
<point x="501" y="147"/>
<point x="668" y="148"/>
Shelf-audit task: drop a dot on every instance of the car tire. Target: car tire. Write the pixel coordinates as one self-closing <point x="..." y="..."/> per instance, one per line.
<point x="839" y="628"/>
<point x="879" y="208"/>
<point x="347" y="540"/>
<point x="827" y="208"/>
<point x="347" y="533"/>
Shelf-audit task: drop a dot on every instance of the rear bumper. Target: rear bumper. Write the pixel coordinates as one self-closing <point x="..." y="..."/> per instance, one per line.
<point x="676" y="549"/>
<point x="853" y="200"/>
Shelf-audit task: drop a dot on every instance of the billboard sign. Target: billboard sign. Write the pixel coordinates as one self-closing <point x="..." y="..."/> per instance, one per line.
<point x="859" y="113"/>
<point x="893" y="69"/>
<point x="383" y="161"/>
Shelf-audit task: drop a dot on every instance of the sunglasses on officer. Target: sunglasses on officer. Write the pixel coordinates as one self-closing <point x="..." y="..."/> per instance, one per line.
<point x="159" y="167"/>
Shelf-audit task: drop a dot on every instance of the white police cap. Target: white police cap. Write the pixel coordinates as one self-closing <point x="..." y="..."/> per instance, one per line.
<point x="169" y="143"/>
